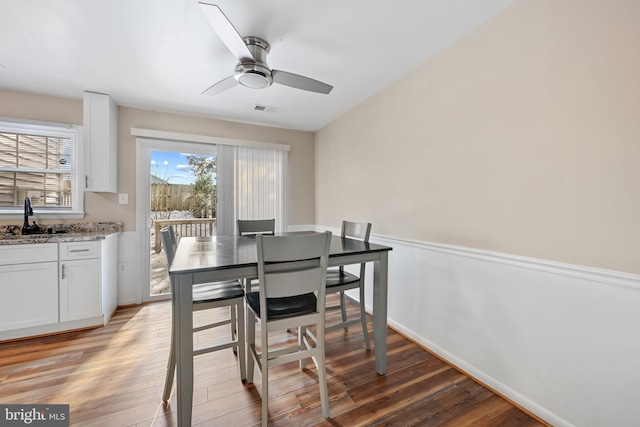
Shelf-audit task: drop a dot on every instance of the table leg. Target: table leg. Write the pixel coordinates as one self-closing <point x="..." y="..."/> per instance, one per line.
<point x="380" y="292"/>
<point x="182" y="295"/>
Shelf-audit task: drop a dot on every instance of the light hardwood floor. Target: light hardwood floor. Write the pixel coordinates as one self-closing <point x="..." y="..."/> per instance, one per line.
<point x="113" y="376"/>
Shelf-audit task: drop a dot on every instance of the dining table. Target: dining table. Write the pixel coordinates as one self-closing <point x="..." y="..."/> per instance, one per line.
<point x="218" y="258"/>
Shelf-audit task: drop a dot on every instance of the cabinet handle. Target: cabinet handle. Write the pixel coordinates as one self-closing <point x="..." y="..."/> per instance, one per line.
<point x="63" y="271"/>
<point x="79" y="250"/>
<point x="86" y="181"/>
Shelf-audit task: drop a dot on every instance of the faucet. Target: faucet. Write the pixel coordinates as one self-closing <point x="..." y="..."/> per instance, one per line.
<point x="28" y="211"/>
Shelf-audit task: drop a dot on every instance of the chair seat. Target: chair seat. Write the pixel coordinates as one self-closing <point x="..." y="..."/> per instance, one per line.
<point x="218" y="291"/>
<point x="340" y="278"/>
<point x="281" y="308"/>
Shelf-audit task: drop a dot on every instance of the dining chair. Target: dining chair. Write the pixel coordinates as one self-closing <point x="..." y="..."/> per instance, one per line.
<point x="209" y="296"/>
<point x="291" y="271"/>
<point x="339" y="280"/>
<point x="256" y="226"/>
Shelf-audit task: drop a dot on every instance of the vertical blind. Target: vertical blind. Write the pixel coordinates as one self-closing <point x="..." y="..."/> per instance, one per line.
<point x="251" y="182"/>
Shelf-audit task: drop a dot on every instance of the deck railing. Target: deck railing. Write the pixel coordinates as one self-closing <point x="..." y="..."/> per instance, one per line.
<point x="184" y="227"/>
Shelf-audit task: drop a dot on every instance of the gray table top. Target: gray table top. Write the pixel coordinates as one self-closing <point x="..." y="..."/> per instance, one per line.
<point x="221" y="252"/>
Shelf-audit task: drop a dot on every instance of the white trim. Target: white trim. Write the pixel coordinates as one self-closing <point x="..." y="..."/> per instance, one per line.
<point x="143" y="179"/>
<point x="307" y="227"/>
<point x="35" y="124"/>
<point x="609" y="277"/>
<point x="74" y="132"/>
<point x="144" y="146"/>
<point x="203" y="139"/>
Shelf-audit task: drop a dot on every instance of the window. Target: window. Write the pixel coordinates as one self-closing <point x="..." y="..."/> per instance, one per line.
<point x="40" y="162"/>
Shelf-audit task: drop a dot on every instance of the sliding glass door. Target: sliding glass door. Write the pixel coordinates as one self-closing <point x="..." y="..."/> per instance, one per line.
<point x="201" y="189"/>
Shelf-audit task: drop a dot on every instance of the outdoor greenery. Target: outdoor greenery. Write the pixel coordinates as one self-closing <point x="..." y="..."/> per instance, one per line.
<point x="203" y="203"/>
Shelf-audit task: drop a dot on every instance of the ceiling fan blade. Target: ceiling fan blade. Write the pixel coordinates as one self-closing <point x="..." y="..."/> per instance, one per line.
<point x="226" y="31"/>
<point x="300" y="82"/>
<point x="221" y="86"/>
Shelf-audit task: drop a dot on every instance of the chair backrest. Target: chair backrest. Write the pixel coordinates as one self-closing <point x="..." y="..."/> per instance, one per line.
<point x="173" y="235"/>
<point x="256" y="226"/>
<point x="169" y="244"/>
<point x="293" y="265"/>
<point x="356" y="230"/>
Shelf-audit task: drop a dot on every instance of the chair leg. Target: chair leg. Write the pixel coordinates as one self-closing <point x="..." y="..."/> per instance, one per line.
<point x="233" y="317"/>
<point x="322" y="373"/>
<point x="343" y="309"/>
<point x="171" y="369"/>
<point x="302" y="330"/>
<point x="264" y="343"/>
<point x="363" y="319"/>
<point x="250" y="325"/>
<point x="241" y="348"/>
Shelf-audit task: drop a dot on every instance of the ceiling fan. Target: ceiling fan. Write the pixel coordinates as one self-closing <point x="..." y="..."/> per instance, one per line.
<point x="251" y="52"/>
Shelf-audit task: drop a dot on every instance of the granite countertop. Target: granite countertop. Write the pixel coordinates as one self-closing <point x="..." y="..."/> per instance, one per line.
<point x="54" y="233"/>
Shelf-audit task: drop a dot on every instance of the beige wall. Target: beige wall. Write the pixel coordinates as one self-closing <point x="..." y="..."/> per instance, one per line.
<point x="105" y="207"/>
<point x="521" y="138"/>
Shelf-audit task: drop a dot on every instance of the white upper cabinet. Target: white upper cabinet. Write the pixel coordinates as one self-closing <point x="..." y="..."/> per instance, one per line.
<point x="100" y="142"/>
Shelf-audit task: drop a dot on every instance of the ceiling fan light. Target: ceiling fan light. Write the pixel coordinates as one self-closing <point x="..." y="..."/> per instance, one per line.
<point x="253" y="80"/>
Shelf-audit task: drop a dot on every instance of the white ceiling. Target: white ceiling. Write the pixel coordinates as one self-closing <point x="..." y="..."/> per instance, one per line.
<point x="162" y="54"/>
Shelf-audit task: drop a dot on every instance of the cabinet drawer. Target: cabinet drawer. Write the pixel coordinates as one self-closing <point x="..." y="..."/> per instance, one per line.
<point x="79" y="250"/>
<point x="28" y="253"/>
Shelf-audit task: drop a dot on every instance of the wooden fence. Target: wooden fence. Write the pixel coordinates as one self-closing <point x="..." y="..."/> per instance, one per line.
<point x="171" y="197"/>
<point x="184" y="227"/>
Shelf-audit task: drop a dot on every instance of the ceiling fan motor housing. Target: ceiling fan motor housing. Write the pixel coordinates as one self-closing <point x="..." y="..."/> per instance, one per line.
<point x="253" y="75"/>
<point x="254" y="72"/>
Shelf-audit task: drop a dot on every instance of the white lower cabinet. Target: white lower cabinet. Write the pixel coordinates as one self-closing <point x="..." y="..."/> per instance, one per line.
<point x="28" y="290"/>
<point x="32" y="286"/>
<point x="53" y="287"/>
<point x="79" y="289"/>
<point x="79" y="280"/>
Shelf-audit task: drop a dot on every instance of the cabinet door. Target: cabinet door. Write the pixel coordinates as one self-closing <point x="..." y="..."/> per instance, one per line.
<point x="80" y="289"/>
<point x="100" y="116"/>
<point x="28" y="295"/>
